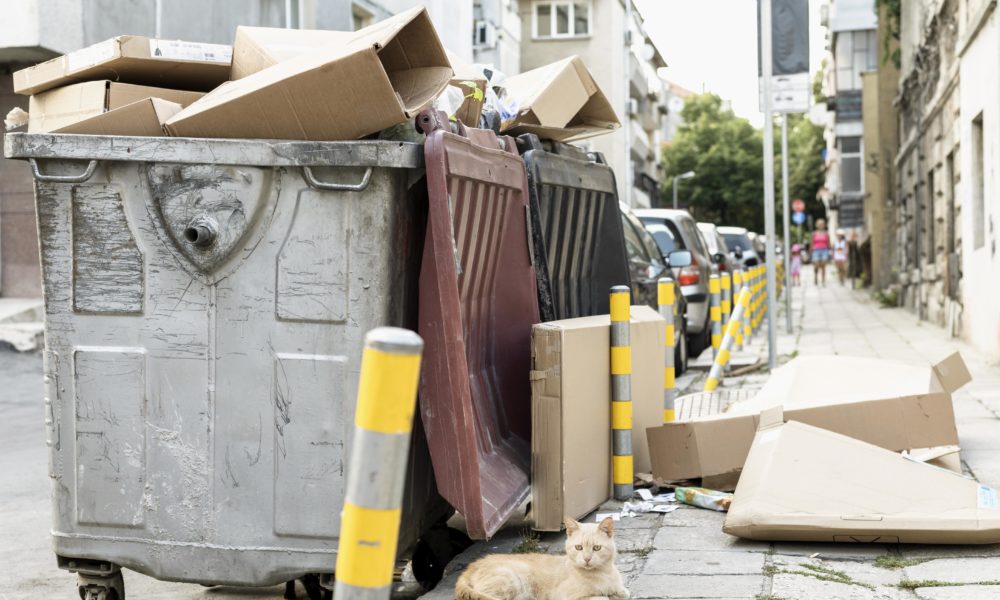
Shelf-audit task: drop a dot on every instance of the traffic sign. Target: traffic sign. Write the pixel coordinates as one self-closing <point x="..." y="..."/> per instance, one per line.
<point x="798" y="217"/>
<point x="798" y="205"/>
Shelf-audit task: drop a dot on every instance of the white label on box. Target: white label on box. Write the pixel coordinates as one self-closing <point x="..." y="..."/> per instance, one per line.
<point x="987" y="497"/>
<point x="91" y="55"/>
<point x="178" y="50"/>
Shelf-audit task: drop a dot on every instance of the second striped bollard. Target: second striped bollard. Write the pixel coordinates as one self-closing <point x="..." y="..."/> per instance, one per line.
<point x="621" y="394"/>
<point x="376" y="473"/>
<point x="715" y="312"/>
<point x="737" y="288"/>
<point x="726" y="284"/>
<point x="667" y="303"/>
<point x="715" y="374"/>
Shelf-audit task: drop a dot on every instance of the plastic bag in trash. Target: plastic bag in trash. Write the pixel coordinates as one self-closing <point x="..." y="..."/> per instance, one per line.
<point x="704" y="498"/>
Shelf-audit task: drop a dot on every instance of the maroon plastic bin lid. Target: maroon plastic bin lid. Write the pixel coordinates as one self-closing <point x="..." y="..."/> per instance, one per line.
<point x="477" y="305"/>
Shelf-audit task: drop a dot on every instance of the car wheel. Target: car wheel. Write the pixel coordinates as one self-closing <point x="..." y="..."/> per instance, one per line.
<point x="681" y="352"/>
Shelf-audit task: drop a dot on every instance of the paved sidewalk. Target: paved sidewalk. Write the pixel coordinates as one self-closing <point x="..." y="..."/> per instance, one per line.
<point x="685" y="554"/>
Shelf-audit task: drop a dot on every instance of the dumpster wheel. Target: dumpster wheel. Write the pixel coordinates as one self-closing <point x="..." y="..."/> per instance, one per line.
<point x="110" y="587"/>
<point x="434" y="550"/>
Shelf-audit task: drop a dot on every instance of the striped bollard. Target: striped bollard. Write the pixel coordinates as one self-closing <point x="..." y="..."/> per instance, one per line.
<point x="715" y="312"/>
<point x="726" y="283"/>
<point x="737" y="288"/>
<point x="747" y="325"/>
<point x="715" y="374"/>
<point x="621" y="394"/>
<point x="666" y="299"/>
<point x="757" y="299"/>
<point x="376" y="473"/>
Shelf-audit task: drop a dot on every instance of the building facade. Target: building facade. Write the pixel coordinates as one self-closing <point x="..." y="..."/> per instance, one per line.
<point x="36" y="30"/>
<point x="497" y="34"/>
<point x="596" y="31"/>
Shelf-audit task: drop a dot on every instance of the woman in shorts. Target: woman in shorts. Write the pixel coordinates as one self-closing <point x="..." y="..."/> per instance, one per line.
<point x="820" y="251"/>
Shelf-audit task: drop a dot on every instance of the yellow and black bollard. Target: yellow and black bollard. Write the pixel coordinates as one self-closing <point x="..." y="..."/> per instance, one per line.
<point x="737" y="288"/>
<point x="715" y="374"/>
<point x="715" y="312"/>
<point x="376" y="471"/>
<point x="725" y="283"/>
<point x="621" y="394"/>
<point x="667" y="301"/>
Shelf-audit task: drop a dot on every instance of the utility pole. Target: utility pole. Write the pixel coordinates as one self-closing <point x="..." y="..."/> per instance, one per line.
<point x="627" y="125"/>
<point x="767" y="68"/>
<point x="786" y="225"/>
<point x="677" y="178"/>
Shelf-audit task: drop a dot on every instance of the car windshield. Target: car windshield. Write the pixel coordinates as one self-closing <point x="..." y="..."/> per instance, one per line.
<point x="737" y="241"/>
<point x="663" y="236"/>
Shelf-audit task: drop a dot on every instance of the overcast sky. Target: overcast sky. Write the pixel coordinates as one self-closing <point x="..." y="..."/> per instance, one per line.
<point x="711" y="45"/>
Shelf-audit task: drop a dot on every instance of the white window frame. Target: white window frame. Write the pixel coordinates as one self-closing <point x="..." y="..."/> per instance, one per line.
<point x="859" y="156"/>
<point x="553" y="35"/>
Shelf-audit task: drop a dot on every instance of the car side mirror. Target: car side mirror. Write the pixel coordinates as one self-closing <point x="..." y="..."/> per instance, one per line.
<point x="718" y="258"/>
<point x="680" y="258"/>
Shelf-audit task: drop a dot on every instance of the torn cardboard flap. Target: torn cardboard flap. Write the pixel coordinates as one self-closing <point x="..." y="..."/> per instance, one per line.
<point x="141" y="118"/>
<point x="559" y="101"/>
<point x="133" y="59"/>
<point x="394" y="68"/>
<point x="803" y="483"/>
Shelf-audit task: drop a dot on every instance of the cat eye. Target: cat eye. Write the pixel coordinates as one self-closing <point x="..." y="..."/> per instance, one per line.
<point x="596" y="548"/>
<point x="579" y="547"/>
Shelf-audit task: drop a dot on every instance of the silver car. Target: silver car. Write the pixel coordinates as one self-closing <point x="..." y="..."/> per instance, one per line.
<point x="741" y="247"/>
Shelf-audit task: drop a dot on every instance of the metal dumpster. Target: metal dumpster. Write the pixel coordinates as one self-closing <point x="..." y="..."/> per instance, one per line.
<point x="206" y="303"/>
<point x="478" y="302"/>
<point x="579" y="247"/>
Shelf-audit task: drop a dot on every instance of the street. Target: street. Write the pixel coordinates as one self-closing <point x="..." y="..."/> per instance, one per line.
<point x="679" y="555"/>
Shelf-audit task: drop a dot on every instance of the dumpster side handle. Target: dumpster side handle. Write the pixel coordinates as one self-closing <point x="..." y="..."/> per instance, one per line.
<point x="340" y="187"/>
<point x="39" y="176"/>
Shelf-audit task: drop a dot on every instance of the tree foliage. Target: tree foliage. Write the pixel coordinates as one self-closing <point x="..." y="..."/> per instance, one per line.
<point x="726" y="154"/>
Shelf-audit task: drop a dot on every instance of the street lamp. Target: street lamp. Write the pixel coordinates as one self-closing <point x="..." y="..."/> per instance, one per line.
<point x="687" y="175"/>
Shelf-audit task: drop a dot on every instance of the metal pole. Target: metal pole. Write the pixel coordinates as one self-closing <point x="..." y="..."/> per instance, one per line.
<point x="766" y="33"/>
<point x="627" y="125"/>
<point x="675" y="192"/>
<point x="376" y="472"/>
<point x="666" y="301"/>
<point x="621" y="394"/>
<point x="786" y="223"/>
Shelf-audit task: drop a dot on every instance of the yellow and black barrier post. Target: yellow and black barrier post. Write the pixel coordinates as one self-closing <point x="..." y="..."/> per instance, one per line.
<point x="715" y="312"/>
<point x="621" y="394"/>
<point x="667" y="303"/>
<point x="715" y="374"/>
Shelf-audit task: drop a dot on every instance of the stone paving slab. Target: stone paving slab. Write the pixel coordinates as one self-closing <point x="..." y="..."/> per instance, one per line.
<point x="956" y="570"/>
<point x="965" y="592"/>
<point x="784" y="585"/>
<point x="690" y="587"/>
<point x="685" y="562"/>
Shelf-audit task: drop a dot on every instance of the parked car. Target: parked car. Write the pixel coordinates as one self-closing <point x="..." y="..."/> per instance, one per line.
<point x="717" y="246"/>
<point x="757" y="240"/>
<point x="646" y="265"/>
<point x="677" y="230"/>
<point x="741" y="248"/>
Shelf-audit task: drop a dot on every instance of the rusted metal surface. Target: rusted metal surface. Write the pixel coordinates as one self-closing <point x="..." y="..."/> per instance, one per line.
<point x="200" y="392"/>
<point x="579" y="248"/>
<point x="477" y="305"/>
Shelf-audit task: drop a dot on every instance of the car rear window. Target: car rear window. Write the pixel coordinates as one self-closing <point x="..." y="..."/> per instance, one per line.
<point x="737" y="241"/>
<point x="666" y="235"/>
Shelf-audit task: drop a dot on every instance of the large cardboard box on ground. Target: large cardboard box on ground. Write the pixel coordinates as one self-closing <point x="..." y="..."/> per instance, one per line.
<point x="803" y="483"/>
<point x="374" y="78"/>
<point x="571" y="410"/>
<point x="55" y="110"/>
<point x="894" y="405"/>
<point x="559" y="101"/>
<point x="133" y="59"/>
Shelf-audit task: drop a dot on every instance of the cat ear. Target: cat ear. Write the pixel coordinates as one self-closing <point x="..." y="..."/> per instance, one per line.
<point x="571" y="526"/>
<point x="607" y="526"/>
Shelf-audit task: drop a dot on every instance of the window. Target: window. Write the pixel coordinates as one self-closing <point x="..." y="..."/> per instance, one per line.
<point x="850" y="165"/>
<point x="856" y="52"/>
<point x="633" y="245"/>
<point x="978" y="185"/>
<point x="360" y="18"/>
<point x="562" y="19"/>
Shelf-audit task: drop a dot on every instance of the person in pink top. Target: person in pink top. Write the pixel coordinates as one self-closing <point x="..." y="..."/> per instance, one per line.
<point x="796" y="265"/>
<point x="820" y="251"/>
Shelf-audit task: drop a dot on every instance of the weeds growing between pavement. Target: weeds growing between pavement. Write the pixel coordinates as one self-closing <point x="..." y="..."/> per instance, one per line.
<point x="893" y="562"/>
<point x="818" y="572"/>
<point x="912" y="584"/>
<point x="640" y="552"/>
<point x="529" y="543"/>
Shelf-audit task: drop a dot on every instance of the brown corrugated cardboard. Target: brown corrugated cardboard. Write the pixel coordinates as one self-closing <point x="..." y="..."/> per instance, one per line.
<point x="803" y="483"/>
<point x="378" y="77"/>
<point x="571" y="410"/>
<point x="142" y="118"/>
<point x="257" y="48"/>
<point x="472" y="83"/>
<point x="851" y="396"/>
<point x="60" y="108"/>
<point x="559" y="101"/>
<point x="133" y="59"/>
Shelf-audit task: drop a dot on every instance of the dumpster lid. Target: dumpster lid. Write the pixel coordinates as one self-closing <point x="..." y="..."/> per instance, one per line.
<point x="264" y="153"/>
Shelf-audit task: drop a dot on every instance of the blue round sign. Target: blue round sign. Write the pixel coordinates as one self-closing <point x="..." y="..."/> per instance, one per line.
<point x="798" y="218"/>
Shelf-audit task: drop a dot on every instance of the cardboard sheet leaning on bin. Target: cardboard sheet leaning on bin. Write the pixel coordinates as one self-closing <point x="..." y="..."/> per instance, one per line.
<point x="375" y="78"/>
<point x="559" y="101"/>
<point x="893" y="404"/>
<point x="806" y="484"/>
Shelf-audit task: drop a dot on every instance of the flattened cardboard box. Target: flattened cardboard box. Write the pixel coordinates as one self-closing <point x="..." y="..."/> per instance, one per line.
<point x="894" y="405"/>
<point x="133" y="59"/>
<point x="375" y="78"/>
<point x="559" y="101"/>
<point x="144" y="118"/>
<point x="55" y="110"/>
<point x="803" y="483"/>
<point x="571" y="410"/>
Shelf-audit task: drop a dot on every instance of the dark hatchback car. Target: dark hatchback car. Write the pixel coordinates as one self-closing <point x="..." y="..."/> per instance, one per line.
<point x="646" y="266"/>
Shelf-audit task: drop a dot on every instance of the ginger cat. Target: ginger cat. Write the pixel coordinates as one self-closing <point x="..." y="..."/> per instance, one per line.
<point x="586" y="571"/>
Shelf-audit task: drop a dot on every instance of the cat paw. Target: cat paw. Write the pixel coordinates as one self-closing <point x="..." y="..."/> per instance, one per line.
<point x="622" y="594"/>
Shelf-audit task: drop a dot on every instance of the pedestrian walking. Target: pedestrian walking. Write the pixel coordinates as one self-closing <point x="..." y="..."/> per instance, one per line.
<point x="840" y="256"/>
<point x="795" y="264"/>
<point x="820" y="251"/>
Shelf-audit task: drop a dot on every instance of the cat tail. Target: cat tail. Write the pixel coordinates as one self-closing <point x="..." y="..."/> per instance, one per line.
<point x="463" y="591"/>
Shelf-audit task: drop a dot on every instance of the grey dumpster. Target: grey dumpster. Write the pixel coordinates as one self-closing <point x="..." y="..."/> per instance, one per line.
<point x="206" y="303"/>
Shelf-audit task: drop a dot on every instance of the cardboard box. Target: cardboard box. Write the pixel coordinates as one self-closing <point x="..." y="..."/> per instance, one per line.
<point x="142" y="118"/>
<point x="133" y="59"/>
<point x="472" y="83"/>
<point x="893" y="405"/>
<point x="560" y="101"/>
<point x="571" y="410"/>
<point x="257" y="48"/>
<point x="803" y="483"/>
<point x="58" y="109"/>
<point x="379" y="76"/>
